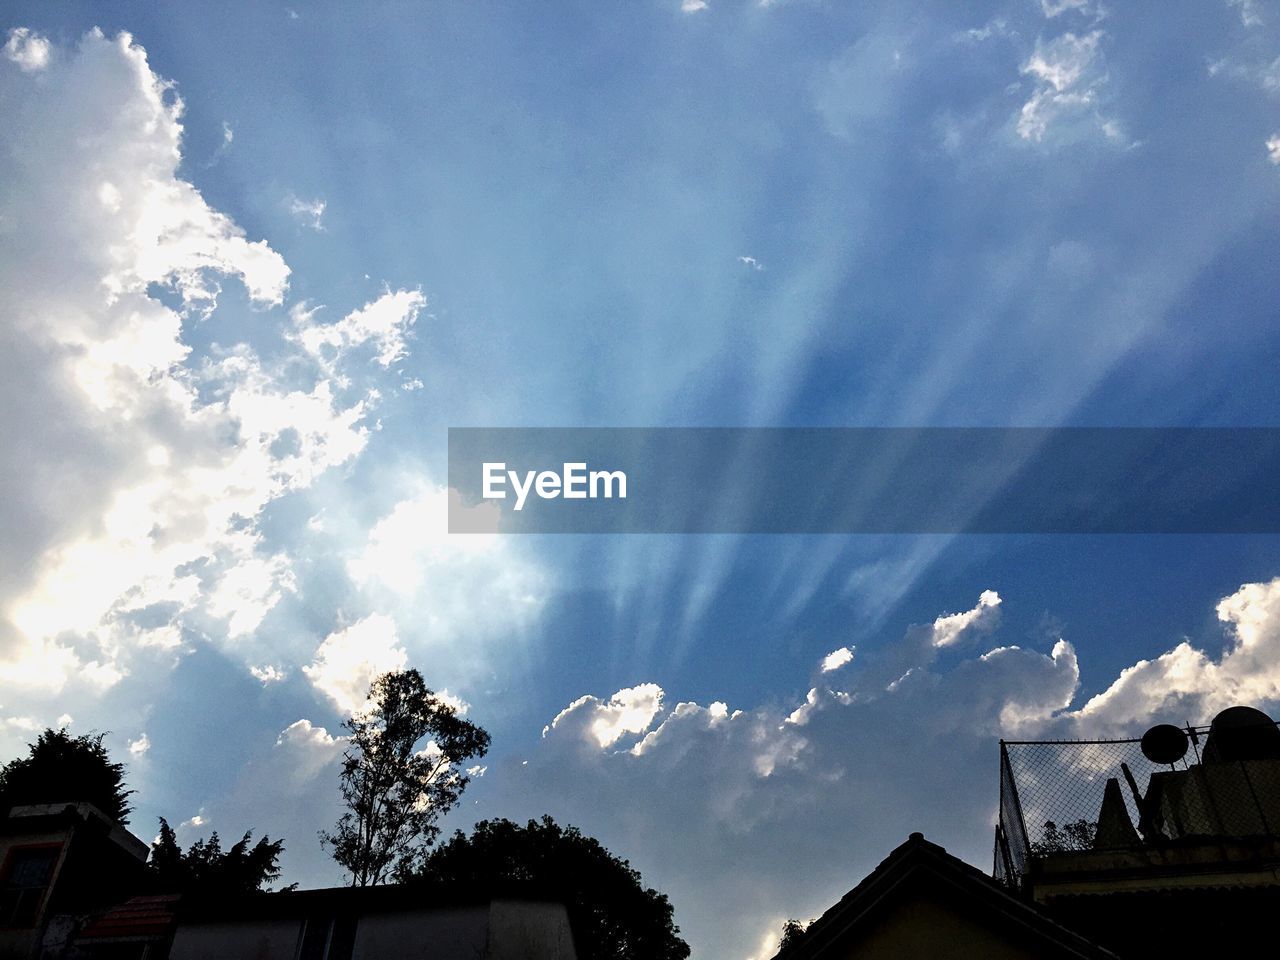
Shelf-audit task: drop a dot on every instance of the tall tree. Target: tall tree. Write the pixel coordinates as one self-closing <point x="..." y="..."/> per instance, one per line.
<point x="206" y="868"/>
<point x="401" y="772"/>
<point x="60" y="768"/>
<point x="613" y="915"/>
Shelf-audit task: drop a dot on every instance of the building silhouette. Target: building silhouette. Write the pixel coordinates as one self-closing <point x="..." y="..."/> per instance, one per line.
<point x="1165" y="846"/>
<point x="73" y="886"/>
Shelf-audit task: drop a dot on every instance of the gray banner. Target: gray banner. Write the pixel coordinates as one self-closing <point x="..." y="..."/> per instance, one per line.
<point x="864" y="480"/>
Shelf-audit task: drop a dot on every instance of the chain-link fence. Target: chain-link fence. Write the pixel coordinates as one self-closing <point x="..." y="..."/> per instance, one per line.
<point x="1073" y="796"/>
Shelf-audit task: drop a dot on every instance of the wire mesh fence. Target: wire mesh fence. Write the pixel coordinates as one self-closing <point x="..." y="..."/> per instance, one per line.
<point x="1062" y="797"/>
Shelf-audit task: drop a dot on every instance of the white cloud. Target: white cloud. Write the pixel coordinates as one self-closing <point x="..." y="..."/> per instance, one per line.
<point x="605" y="722"/>
<point x="1188" y="683"/>
<point x="410" y="565"/>
<point x="854" y="769"/>
<point x="303" y="731"/>
<point x="997" y="27"/>
<point x="308" y="212"/>
<point x="951" y="627"/>
<point x="140" y="746"/>
<point x="751" y="262"/>
<point x="28" y="50"/>
<point x="836" y="659"/>
<point x="134" y="520"/>
<point x="249" y="590"/>
<point x="692" y="6"/>
<point x="1069" y="75"/>
<point x="1273" y="148"/>
<point x="384" y="323"/>
<point x="1263" y="74"/>
<point x="268" y="674"/>
<point x="1054" y="8"/>
<point x="1248" y="10"/>
<point x="348" y="660"/>
<point x="303" y="751"/>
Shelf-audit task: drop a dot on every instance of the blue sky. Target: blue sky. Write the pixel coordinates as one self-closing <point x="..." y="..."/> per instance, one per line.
<point x="237" y="331"/>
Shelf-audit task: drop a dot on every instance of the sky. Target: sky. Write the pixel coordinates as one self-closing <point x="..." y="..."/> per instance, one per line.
<point x="256" y="259"/>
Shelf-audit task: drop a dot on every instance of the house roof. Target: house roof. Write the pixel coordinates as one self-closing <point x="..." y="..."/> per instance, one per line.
<point x="141" y="918"/>
<point x="28" y="818"/>
<point x="360" y="900"/>
<point x="899" y="877"/>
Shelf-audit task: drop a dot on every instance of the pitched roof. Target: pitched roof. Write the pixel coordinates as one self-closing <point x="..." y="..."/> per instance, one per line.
<point x="897" y="878"/>
<point x="135" y="919"/>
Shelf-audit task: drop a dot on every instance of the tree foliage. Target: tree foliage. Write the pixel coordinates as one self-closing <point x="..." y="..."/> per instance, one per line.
<point x="613" y="915"/>
<point x="61" y="768"/>
<point x="1078" y="835"/>
<point x="401" y="772"/>
<point x="793" y="932"/>
<point x="206" y="868"/>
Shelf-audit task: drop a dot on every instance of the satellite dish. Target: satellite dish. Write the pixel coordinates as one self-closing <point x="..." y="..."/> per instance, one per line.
<point x="1164" y="743"/>
<point x="1242" y="733"/>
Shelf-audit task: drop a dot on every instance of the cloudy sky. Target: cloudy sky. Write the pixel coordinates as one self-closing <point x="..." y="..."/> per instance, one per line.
<point x="256" y="259"/>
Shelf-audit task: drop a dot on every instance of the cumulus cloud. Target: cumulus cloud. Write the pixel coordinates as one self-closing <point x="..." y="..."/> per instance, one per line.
<point x="139" y="747"/>
<point x="835" y="780"/>
<point x="950" y="628"/>
<point x="348" y="660"/>
<point x="1187" y="682"/>
<point x="783" y="783"/>
<point x="1273" y="148"/>
<point x="605" y="722"/>
<point x="303" y="732"/>
<point x="268" y="674"/>
<point x="836" y="659"/>
<point x="137" y="465"/>
<point x="28" y="50"/>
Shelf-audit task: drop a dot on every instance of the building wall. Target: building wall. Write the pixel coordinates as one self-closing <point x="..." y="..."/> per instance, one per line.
<point x="18" y="943"/>
<point x="503" y="930"/>
<point x="923" y="929"/>
<point x="243" y="939"/>
<point x="519" y="929"/>
<point x="446" y="934"/>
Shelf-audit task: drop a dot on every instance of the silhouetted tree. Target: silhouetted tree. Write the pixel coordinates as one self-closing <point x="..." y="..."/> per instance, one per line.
<point x="61" y="768"/>
<point x="206" y="868"/>
<point x="613" y="915"/>
<point x="1077" y="835"/>
<point x="793" y="932"/>
<point x="401" y="772"/>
